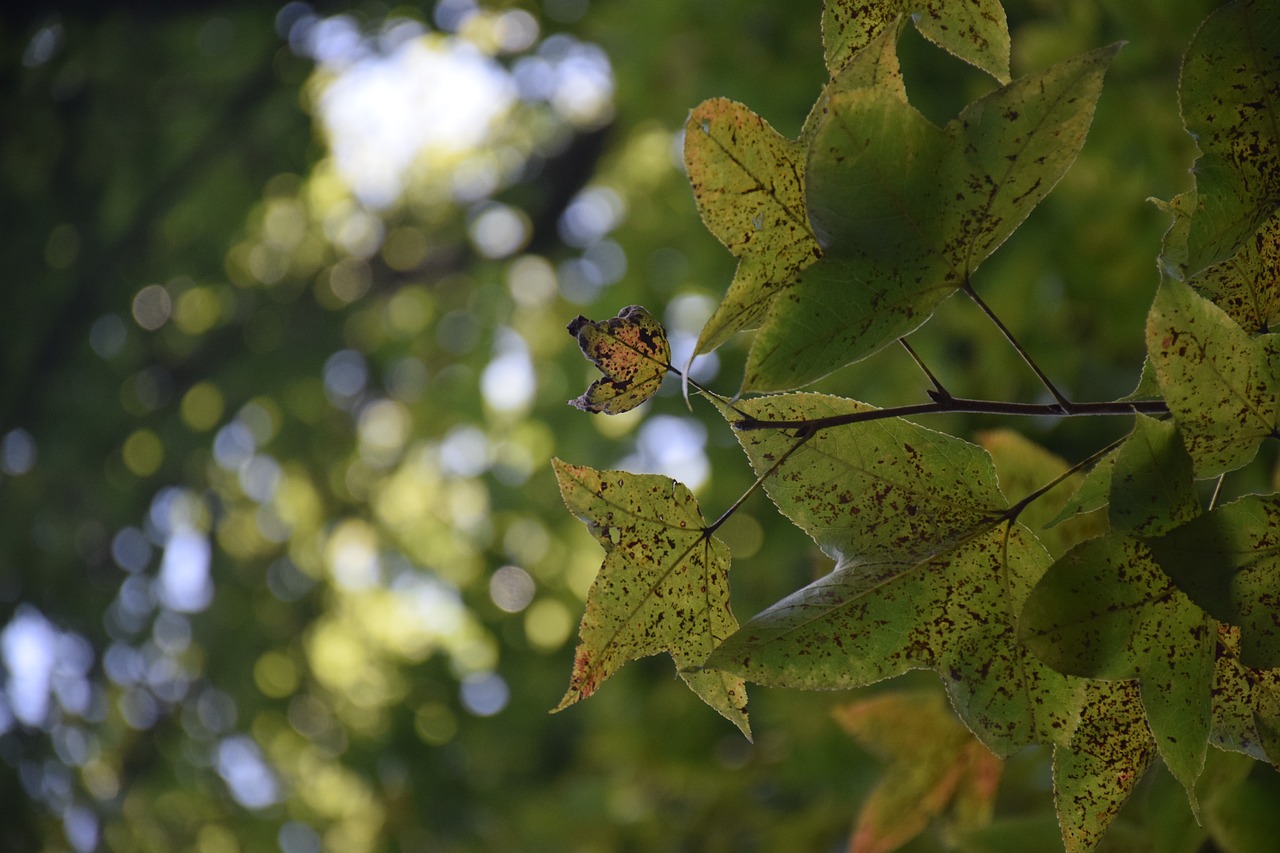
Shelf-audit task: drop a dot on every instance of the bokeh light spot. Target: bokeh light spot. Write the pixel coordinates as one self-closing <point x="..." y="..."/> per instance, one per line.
<point x="511" y="589"/>
<point x="143" y="452"/>
<point x="547" y="624"/>
<point x="202" y="406"/>
<point x="152" y="307"/>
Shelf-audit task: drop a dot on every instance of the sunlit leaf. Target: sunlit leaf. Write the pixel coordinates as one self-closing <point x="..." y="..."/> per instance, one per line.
<point x="1220" y="384"/>
<point x="748" y="181"/>
<point x="663" y="586"/>
<point x="975" y="32"/>
<point x="631" y="351"/>
<point x="1228" y="562"/>
<point x="1230" y="97"/>
<point x="882" y="488"/>
<point x="906" y="211"/>
<point x="1109" y="753"/>
<point x="1105" y="610"/>
<point x="934" y="762"/>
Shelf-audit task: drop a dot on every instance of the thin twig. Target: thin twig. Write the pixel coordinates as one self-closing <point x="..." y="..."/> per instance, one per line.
<point x="724" y="516"/>
<point x="939" y="392"/>
<point x="1008" y="335"/>
<point x="952" y="405"/>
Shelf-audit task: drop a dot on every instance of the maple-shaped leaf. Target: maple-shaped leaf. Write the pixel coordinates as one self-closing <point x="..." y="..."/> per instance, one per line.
<point x="906" y="211"/>
<point x="631" y="351"/>
<point x="1106" y="610"/>
<point x="936" y="766"/>
<point x="663" y="586"/>
<point x="929" y="574"/>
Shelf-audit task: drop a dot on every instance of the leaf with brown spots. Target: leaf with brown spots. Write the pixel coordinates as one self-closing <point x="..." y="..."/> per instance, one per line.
<point x="975" y="32"/>
<point x="1247" y="285"/>
<point x="1228" y="562"/>
<point x="936" y="769"/>
<point x="631" y="351"/>
<point x="748" y="182"/>
<point x="663" y="586"/>
<point x="1246" y="703"/>
<point x="1222" y="386"/>
<point x="906" y="211"/>
<point x="927" y="574"/>
<point x="1230" y="97"/>
<point x="1105" y="610"/>
<point x="1109" y="753"/>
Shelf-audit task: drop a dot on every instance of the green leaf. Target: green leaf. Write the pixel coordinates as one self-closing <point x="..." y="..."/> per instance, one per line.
<point x="1105" y="610"/>
<point x="1230" y="96"/>
<point x="1109" y="753"/>
<point x="881" y="488"/>
<point x="975" y="32"/>
<point x="748" y="182"/>
<point x="934" y="762"/>
<point x="631" y="351"/>
<point x="906" y="211"/>
<point x="663" y="586"/>
<point x="1221" y="385"/>
<point x="1228" y="562"/>
<point x="1152" y="486"/>
<point x="1246" y="703"/>
<point x="952" y="613"/>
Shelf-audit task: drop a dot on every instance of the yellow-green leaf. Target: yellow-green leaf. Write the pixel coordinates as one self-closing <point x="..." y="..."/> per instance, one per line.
<point x="1109" y="753"/>
<point x="663" y="586"/>
<point x="1221" y="385"/>
<point x="631" y="351"/>
<point x="975" y="31"/>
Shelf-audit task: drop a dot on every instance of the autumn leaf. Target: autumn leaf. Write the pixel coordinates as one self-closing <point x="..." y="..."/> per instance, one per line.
<point x="1221" y="384"/>
<point x="1109" y="753"/>
<point x="935" y="767"/>
<point x="905" y="211"/>
<point x="1247" y="285"/>
<point x="928" y="576"/>
<point x="663" y="586"/>
<point x="631" y="351"/>
<point x="1246" y="703"/>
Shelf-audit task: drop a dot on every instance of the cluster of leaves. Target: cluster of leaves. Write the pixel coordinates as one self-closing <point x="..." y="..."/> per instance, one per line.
<point x="1112" y="615"/>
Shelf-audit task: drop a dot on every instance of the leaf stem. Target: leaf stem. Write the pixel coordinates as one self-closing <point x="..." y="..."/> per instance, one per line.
<point x="1008" y="335"/>
<point x="938" y="389"/>
<point x="724" y="516"/>
<point x="1012" y="513"/>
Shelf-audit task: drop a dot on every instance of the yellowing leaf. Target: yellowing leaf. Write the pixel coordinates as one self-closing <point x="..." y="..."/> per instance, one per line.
<point x="975" y="32"/>
<point x="928" y="576"/>
<point x="1247" y="285"/>
<point x="1109" y="754"/>
<point x="1246" y="703"/>
<point x="906" y="211"/>
<point x="934" y="762"/>
<point x="631" y="351"/>
<point x="1221" y="385"/>
<point x="663" y="586"/>
<point x="748" y="182"/>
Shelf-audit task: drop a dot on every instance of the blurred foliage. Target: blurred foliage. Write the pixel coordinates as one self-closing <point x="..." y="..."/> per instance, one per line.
<point x="283" y="564"/>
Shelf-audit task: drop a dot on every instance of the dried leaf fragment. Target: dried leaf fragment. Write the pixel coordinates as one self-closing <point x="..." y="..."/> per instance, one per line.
<point x="631" y="351"/>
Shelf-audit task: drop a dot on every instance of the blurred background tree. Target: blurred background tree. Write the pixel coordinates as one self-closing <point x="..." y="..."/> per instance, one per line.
<point x="283" y="364"/>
